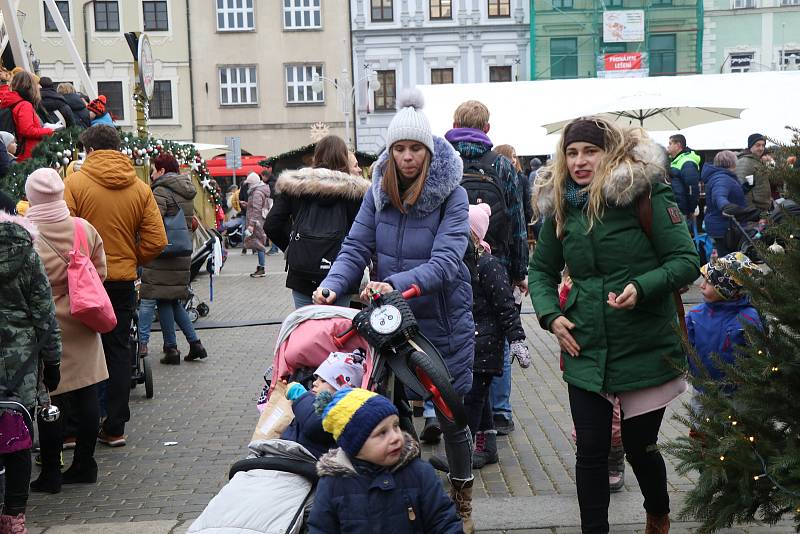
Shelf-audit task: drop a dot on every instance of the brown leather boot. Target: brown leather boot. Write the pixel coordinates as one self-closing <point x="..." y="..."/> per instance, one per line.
<point x="461" y="493"/>
<point x="657" y="524"/>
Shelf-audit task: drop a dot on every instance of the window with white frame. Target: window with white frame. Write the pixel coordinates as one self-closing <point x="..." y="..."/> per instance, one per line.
<point x="106" y="16"/>
<point x="49" y="23"/>
<point x="302" y="14"/>
<point x="238" y="85"/>
<point x="790" y="2"/>
<point x="156" y="15"/>
<point x="235" y="15"/>
<point x="790" y="59"/>
<point x="299" y="81"/>
<point x="161" y="102"/>
<point x="115" y="99"/>
<point x="744" y="4"/>
<point x="741" y="61"/>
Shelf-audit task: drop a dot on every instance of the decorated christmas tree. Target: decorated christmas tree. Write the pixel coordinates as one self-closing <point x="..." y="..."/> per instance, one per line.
<point x="746" y="444"/>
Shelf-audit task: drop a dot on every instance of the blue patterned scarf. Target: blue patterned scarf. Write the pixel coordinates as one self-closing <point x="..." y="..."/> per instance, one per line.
<point x="577" y="196"/>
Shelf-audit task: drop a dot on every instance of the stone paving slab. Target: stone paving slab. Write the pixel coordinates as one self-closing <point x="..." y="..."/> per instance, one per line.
<point x="208" y="408"/>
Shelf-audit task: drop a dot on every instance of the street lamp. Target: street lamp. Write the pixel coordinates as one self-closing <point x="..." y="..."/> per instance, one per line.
<point x="346" y="92"/>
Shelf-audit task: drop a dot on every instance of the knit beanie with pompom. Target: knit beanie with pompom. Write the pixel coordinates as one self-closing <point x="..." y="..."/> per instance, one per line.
<point x="410" y="123"/>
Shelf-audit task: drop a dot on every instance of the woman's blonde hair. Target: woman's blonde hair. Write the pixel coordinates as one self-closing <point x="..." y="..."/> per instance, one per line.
<point x="65" y="88"/>
<point x="509" y="152"/>
<point x="391" y="183"/>
<point x="619" y="143"/>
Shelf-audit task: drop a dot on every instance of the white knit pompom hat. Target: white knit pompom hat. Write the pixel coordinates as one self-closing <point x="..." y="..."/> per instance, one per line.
<point x="410" y="123"/>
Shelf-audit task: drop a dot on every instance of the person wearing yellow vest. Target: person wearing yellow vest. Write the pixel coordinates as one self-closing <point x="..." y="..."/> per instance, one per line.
<point x="684" y="173"/>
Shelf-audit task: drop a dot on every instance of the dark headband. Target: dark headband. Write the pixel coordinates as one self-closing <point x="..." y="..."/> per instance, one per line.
<point x="585" y="130"/>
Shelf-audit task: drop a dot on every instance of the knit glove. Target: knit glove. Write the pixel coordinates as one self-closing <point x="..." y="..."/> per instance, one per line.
<point x="51" y="376"/>
<point x="295" y="391"/>
<point x="519" y="350"/>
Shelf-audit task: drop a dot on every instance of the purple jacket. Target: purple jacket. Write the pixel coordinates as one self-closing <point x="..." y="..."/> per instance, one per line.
<point x="420" y="247"/>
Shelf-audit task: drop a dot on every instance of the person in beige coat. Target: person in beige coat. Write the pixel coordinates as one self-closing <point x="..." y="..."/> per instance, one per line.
<point x="83" y="363"/>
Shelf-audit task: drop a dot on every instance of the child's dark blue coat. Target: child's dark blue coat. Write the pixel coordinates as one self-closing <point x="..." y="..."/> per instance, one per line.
<point x="718" y="328"/>
<point x="306" y="429"/>
<point x="405" y="499"/>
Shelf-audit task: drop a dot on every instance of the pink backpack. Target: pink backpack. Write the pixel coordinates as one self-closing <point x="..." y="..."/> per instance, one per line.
<point x="88" y="300"/>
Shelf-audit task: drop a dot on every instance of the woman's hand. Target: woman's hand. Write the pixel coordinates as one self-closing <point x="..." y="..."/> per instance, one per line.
<point x="373" y="287"/>
<point x="625" y="301"/>
<point x="561" y="327"/>
<point x="319" y="298"/>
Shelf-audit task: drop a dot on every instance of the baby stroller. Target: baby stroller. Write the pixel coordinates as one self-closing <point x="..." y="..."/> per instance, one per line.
<point x="279" y="472"/>
<point x="203" y="256"/>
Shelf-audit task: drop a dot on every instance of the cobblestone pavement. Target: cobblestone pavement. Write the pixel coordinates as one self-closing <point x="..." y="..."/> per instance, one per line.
<point x="207" y="409"/>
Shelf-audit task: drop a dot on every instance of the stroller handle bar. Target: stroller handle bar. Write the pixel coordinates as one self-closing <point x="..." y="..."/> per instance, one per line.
<point x="339" y="340"/>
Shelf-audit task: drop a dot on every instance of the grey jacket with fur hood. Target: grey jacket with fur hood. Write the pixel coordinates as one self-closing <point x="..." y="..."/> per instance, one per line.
<point x="297" y="189"/>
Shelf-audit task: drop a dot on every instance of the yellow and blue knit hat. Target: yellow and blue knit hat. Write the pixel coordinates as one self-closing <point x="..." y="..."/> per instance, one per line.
<point x="353" y="414"/>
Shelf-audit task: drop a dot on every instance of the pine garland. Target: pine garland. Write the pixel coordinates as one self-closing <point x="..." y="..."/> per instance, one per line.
<point x="60" y="149"/>
<point x="747" y="451"/>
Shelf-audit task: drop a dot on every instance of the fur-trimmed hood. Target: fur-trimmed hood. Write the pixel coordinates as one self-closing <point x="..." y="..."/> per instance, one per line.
<point x="322" y="183"/>
<point x="336" y="462"/>
<point x="645" y="165"/>
<point x="444" y="176"/>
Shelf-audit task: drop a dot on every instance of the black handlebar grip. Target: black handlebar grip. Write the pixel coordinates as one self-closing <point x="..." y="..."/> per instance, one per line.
<point x="326" y="292"/>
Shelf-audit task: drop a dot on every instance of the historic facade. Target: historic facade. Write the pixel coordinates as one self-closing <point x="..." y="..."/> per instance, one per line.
<point x="404" y="43"/>
<point x="97" y="28"/>
<point x="751" y="35"/>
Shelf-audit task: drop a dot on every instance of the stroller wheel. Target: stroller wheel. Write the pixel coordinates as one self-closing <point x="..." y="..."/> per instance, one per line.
<point x="148" y="378"/>
<point x="203" y="309"/>
<point x="193" y="315"/>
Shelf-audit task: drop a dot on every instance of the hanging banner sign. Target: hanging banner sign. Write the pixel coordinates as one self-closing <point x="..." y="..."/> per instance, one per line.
<point x="623" y="61"/>
<point x="625" y="26"/>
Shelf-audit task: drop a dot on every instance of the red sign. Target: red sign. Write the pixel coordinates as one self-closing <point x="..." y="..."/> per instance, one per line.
<point x="623" y="61"/>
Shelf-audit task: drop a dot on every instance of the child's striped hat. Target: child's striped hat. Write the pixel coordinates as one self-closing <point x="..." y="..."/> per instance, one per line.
<point x="353" y="414"/>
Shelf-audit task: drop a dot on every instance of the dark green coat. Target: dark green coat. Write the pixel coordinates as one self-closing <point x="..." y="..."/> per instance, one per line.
<point x="27" y="312"/>
<point x="168" y="278"/>
<point x="621" y="350"/>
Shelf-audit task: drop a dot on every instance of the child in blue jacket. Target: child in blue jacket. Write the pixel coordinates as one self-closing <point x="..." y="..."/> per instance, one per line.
<point x="339" y="370"/>
<point x="717" y="325"/>
<point x="375" y="482"/>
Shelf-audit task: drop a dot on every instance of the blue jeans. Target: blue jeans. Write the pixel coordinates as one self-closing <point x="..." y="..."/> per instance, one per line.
<point x="301" y="299"/>
<point x="262" y="258"/>
<point x="427" y="410"/>
<point x="500" y="393"/>
<point x="169" y="312"/>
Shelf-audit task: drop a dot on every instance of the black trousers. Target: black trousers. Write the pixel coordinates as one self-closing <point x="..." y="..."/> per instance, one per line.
<point x="81" y="406"/>
<point x="17" y="479"/>
<point x="118" y="358"/>
<point x="592" y="414"/>
<point x="478" y="405"/>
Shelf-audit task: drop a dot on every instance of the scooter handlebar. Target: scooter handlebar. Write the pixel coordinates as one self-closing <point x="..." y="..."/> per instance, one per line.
<point x="412" y="292"/>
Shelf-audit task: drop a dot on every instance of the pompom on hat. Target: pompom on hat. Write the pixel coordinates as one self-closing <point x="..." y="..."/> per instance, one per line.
<point x="98" y="105"/>
<point x="352" y="415"/>
<point x="343" y="369"/>
<point x="726" y="274"/>
<point x="44" y="186"/>
<point x="410" y="123"/>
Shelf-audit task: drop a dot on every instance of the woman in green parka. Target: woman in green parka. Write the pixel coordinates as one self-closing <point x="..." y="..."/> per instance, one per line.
<point x="618" y="329"/>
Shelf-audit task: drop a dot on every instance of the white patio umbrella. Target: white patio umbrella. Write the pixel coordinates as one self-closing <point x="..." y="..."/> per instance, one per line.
<point x="653" y="112"/>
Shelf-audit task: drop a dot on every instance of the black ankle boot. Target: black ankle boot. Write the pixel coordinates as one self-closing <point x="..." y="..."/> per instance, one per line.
<point x="84" y="472"/>
<point x="196" y="352"/>
<point x="172" y="356"/>
<point x="49" y="481"/>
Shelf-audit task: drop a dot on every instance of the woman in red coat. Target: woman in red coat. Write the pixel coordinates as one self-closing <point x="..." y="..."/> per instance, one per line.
<point x="23" y="99"/>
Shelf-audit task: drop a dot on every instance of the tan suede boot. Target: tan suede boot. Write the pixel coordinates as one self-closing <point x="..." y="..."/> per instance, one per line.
<point x="657" y="524"/>
<point x="461" y="493"/>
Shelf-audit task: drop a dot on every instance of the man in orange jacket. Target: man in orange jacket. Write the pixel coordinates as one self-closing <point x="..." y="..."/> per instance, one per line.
<point x="107" y="193"/>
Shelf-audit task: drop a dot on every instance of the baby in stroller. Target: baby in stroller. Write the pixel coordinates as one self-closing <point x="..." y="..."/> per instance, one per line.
<point x="339" y="370"/>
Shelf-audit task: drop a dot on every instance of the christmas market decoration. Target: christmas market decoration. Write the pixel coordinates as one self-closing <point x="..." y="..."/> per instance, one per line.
<point x="301" y="157"/>
<point x="745" y="443"/>
<point x="61" y="148"/>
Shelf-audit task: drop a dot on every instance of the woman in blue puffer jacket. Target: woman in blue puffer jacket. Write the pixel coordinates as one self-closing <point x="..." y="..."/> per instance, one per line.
<point x="414" y="219"/>
<point x="722" y="189"/>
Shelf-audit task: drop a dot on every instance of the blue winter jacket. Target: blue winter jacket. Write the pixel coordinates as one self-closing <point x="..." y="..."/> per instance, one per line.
<point x="424" y="246"/>
<point x="105" y="118"/>
<point x="306" y="428"/>
<point x="718" y="328"/>
<point x="405" y="499"/>
<point x="722" y="188"/>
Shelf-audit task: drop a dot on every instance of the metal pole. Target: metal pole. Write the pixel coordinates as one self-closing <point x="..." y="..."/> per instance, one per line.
<point x="69" y="44"/>
<point x="8" y="7"/>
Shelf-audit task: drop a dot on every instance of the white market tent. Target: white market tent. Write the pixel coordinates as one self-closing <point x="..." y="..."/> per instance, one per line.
<point x="519" y="109"/>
